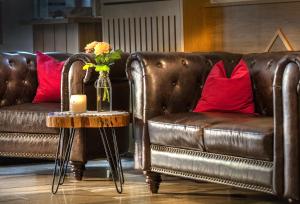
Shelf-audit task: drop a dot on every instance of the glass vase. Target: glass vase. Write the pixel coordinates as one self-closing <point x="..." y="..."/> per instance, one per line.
<point x="104" y="92"/>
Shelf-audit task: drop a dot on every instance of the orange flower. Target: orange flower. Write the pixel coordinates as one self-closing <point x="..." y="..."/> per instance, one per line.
<point x="89" y="48"/>
<point x="102" y="47"/>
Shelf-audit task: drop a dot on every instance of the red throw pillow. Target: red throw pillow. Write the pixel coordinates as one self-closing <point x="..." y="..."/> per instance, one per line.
<point x="232" y="94"/>
<point x="49" y="76"/>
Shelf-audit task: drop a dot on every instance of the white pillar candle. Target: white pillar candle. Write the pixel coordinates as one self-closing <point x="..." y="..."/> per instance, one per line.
<point x="78" y="103"/>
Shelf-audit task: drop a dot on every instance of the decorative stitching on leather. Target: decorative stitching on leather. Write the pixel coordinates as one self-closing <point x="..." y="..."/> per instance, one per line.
<point x="31" y="136"/>
<point x="199" y="127"/>
<point x="212" y="179"/>
<point x="28" y="155"/>
<point x="259" y="163"/>
<point x="216" y="129"/>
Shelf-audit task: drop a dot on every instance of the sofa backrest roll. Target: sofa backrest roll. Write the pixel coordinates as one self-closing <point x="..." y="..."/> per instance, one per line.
<point x="18" y="77"/>
<point x="174" y="81"/>
<point x="262" y="68"/>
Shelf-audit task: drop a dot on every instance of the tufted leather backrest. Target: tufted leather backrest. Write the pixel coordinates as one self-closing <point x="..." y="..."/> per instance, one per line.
<point x="174" y="81"/>
<point x="262" y="69"/>
<point x="18" y="77"/>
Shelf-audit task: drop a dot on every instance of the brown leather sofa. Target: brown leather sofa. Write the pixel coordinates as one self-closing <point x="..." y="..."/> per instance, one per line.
<point x="23" y="131"/>
<point x="257" y="152"/>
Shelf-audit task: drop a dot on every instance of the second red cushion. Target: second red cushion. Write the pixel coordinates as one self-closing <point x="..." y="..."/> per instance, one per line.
<point x="232" y="94"/>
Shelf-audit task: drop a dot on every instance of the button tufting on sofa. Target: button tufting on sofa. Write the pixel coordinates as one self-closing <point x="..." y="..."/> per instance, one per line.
<point x="184" y="62"/>
<point x="209" y="62"/>
<point x="159" y="64"/>
<point x="11" y="63"/>
<point x="220" y="147"/>
<point x="29" y="61"/>
<point x="3" y="102"/>
<point x="270" y="64"/>
<point x="23" y="123"/>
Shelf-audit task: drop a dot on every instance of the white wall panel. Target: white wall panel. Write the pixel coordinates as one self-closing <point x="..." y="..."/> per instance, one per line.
<point x="143" y="25"/>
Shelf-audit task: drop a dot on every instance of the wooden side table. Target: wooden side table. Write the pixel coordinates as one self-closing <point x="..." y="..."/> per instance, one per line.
<point x="90" y="119"/>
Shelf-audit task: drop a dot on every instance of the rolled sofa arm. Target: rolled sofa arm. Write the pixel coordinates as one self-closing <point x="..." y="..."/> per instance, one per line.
<point x="72" y="82"/>
<point x="161" y="83"/>
<point x="286" y="91"/>
<point x="73" y="77"/>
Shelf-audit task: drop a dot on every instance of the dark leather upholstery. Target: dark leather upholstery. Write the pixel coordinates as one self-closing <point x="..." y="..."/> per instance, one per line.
<point x="224" y="133"/>
<point x="183" y="130"/>
<point x="28" y="145"/>
<point x="164" y="84"/>
<point x="27" y="118"/>
<point x="23" y="132"/>
<point x="22" y="124"/>
<point x="213" y="166"/>
<point x="262" y="67"/>
<point x="249" y="137"/>
<point x="18" y="80"/>
<point x="286" y="102"/>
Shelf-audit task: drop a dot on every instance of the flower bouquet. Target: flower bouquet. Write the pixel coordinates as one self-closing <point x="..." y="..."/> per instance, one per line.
<point x="105" y="57"/>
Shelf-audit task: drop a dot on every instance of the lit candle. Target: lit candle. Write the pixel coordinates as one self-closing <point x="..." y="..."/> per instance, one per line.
<point x="78" y="103"/>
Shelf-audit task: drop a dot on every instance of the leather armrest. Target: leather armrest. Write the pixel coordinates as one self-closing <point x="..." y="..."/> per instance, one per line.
<point x="161" y="83"/>
<point x="73" y="77"/>
<point x="72" y="82"/>
<point x="286" y="117"/>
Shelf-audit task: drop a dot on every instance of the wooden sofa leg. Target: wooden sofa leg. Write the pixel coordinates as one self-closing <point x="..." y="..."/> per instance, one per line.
<point x="77" y="169"/>
<point x="153" y="180"/>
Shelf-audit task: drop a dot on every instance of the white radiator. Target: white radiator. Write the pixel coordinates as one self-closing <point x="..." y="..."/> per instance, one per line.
<point x="143" y="25"/>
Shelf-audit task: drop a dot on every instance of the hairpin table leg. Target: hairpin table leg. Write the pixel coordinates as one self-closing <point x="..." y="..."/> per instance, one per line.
<point x="117" y="156"/>
<point x="62" y="161"/>
<point x="114" y="160"/>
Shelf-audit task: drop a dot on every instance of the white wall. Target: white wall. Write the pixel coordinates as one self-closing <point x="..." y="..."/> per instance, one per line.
<point x="134" y="25"/>
<point x="17" y="32"/>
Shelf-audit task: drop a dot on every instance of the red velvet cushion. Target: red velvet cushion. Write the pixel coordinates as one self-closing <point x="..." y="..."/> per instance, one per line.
<point x="49" y="74"/>
<point x="232" y="94"/>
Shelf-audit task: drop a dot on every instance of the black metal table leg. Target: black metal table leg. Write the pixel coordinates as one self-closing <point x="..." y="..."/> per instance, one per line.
<point x="114" y="161"/>
<point x="62" y="159"/>
<point x="117" y="156"/>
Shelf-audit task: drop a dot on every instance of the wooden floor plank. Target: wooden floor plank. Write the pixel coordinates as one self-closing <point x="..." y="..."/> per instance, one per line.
<point x="31" y="183"/>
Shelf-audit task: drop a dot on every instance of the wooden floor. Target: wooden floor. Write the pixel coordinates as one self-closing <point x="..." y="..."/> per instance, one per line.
<point x="30" y="184"/>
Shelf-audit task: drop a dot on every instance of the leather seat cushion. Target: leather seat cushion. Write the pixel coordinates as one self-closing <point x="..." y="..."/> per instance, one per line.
<point x="233" y="134"/>
<point x="185" y="130"/>
<point x="27" y="118"/>
<point x="250" y="137"/>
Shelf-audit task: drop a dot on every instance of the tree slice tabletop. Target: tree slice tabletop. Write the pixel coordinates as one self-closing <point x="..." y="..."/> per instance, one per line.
<point x="89" y="119"/>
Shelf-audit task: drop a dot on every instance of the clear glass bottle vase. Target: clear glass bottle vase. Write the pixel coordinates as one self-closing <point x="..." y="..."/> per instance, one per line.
<point x="104" y="92"/>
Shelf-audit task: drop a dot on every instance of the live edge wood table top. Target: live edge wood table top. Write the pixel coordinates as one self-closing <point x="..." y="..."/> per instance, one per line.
<point x="89" y="119"/>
